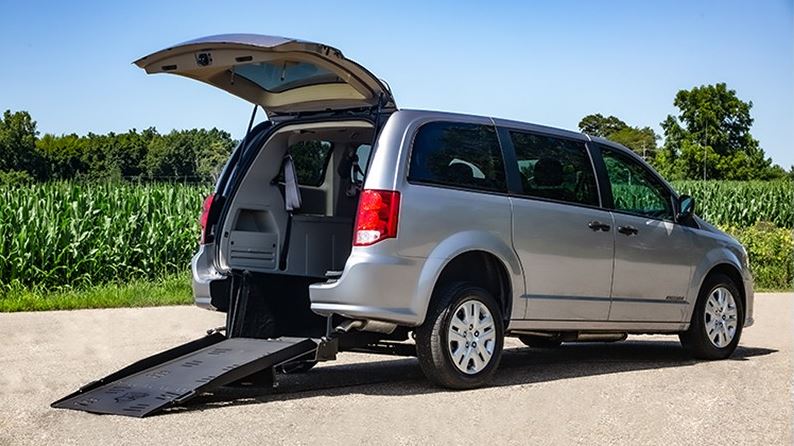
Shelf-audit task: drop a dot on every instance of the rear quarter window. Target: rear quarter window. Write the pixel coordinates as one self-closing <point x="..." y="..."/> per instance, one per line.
<point x="459" y="155"/>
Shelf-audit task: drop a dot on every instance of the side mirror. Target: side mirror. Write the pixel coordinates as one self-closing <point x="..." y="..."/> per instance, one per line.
<point x="686" y="208"/>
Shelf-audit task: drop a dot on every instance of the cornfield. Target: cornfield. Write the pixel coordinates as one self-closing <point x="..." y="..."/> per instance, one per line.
<point x="742" y="203"/>
<point x="64" y="234"/>
<point x="70" y="234"/>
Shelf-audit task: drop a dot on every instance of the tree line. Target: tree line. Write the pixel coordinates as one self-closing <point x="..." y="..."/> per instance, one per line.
<point x="709" y="138"/>
<point x="193" y="155"/>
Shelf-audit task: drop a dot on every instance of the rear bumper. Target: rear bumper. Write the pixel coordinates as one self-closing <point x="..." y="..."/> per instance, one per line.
<point x="204" y="275"/>
<point x="372" y="286"/>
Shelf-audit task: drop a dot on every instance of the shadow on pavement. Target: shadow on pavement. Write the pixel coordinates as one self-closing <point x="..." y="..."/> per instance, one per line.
<point x="519" y="366"/>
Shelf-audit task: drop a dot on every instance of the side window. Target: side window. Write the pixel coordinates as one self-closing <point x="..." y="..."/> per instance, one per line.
<point x="363" y="152"/>
<point x="554" y="168"/>
<point x="311" y="160"/>
<point x="458" y="154"/>
<point x="634" y="188"/>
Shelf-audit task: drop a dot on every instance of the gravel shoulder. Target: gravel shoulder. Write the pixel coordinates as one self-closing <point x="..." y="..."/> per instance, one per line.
<point x="644" y="390"/>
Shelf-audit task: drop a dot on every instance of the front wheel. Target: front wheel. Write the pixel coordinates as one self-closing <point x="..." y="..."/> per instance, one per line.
<point x="716" y="321"/>
<point x="460" y="344"/>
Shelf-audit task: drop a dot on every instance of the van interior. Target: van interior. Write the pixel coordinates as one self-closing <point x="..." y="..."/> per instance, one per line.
<point x="290" y="224"/>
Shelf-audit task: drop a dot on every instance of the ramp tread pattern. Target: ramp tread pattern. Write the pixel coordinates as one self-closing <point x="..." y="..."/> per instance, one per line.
<point x="177" y="380"/>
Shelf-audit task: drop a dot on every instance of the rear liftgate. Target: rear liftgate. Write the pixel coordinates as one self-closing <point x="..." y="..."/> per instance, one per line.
<point x="176" y="375"/>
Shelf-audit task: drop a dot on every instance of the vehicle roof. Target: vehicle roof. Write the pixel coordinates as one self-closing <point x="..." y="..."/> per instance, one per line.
<point x="499" y="122"/>
<point x="520" y="125"/>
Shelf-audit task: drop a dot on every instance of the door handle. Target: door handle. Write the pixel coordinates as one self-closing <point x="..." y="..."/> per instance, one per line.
<point x="596" y="225"/>
<point x="628" y="230"/>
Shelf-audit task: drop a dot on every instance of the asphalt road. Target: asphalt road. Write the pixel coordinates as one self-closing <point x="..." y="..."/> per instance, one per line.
<point x="642" y="391"/>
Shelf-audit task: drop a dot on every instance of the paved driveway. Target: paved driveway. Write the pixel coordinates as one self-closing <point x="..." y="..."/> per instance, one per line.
<point x="644" y="390"/>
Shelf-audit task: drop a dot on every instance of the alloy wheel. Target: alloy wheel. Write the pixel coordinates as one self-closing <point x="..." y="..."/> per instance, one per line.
<point x="720" y="317"/>
<point x="471" y="336"/>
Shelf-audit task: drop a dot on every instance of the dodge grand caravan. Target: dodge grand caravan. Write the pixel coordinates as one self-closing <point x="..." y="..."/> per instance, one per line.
<point x="448" y="230"/>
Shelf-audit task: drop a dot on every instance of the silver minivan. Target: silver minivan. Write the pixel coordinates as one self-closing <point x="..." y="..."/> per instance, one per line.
<point x="443" y="231"/>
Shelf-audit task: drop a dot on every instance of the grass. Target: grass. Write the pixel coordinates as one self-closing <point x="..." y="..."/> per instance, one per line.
<point x="172" y="290"/>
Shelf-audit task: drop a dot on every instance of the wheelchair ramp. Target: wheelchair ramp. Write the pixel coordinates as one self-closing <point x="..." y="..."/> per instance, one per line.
<point x="176" y="375"/>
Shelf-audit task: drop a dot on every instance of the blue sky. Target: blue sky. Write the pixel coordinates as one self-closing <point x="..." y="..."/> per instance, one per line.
<point x="69" y="63"/>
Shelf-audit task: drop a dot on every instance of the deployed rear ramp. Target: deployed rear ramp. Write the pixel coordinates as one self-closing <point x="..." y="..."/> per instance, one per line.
<point x="176" y="375"/>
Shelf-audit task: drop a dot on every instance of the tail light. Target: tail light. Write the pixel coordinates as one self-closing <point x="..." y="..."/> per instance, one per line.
<point x="376" y="218"/>
<point x="205" y="213"/>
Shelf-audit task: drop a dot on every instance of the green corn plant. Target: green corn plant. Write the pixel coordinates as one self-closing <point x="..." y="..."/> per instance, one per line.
<point x="69" y="234"/>
<point x="741" y="204"/>
<point x="61" y="234"/>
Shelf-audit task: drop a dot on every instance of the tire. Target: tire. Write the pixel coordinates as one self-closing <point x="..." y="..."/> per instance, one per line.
<point x="434" y="346"/>
<point x="704" y="340"/>
<point x="540" y="342"/>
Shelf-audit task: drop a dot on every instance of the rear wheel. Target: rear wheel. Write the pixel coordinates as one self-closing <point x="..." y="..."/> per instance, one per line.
<point x="460" y="344"/>
<point x="716" y="321"/>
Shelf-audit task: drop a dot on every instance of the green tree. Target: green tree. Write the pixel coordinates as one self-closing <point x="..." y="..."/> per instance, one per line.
<point x="171" y="155"/>
<point x="110" y="156"/>
<point x="97" y="155"/>
<point x="18" y="143"/>
<point x="61" y="155"/>
<point x="188" y="153"/>
<point x="210" y="161"/>
<point x="196" y="154"/>
<point x="711" y="137"/>
<point x="125" y="154"/>
<point x="640" y="140"/>
<point x="598" y="125"/>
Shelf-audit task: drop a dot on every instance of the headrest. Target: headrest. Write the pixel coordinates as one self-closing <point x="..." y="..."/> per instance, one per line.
<point x="548" y="172"/>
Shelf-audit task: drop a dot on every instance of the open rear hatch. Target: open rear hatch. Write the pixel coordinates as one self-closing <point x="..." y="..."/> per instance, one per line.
<point x="284" y="76"/>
